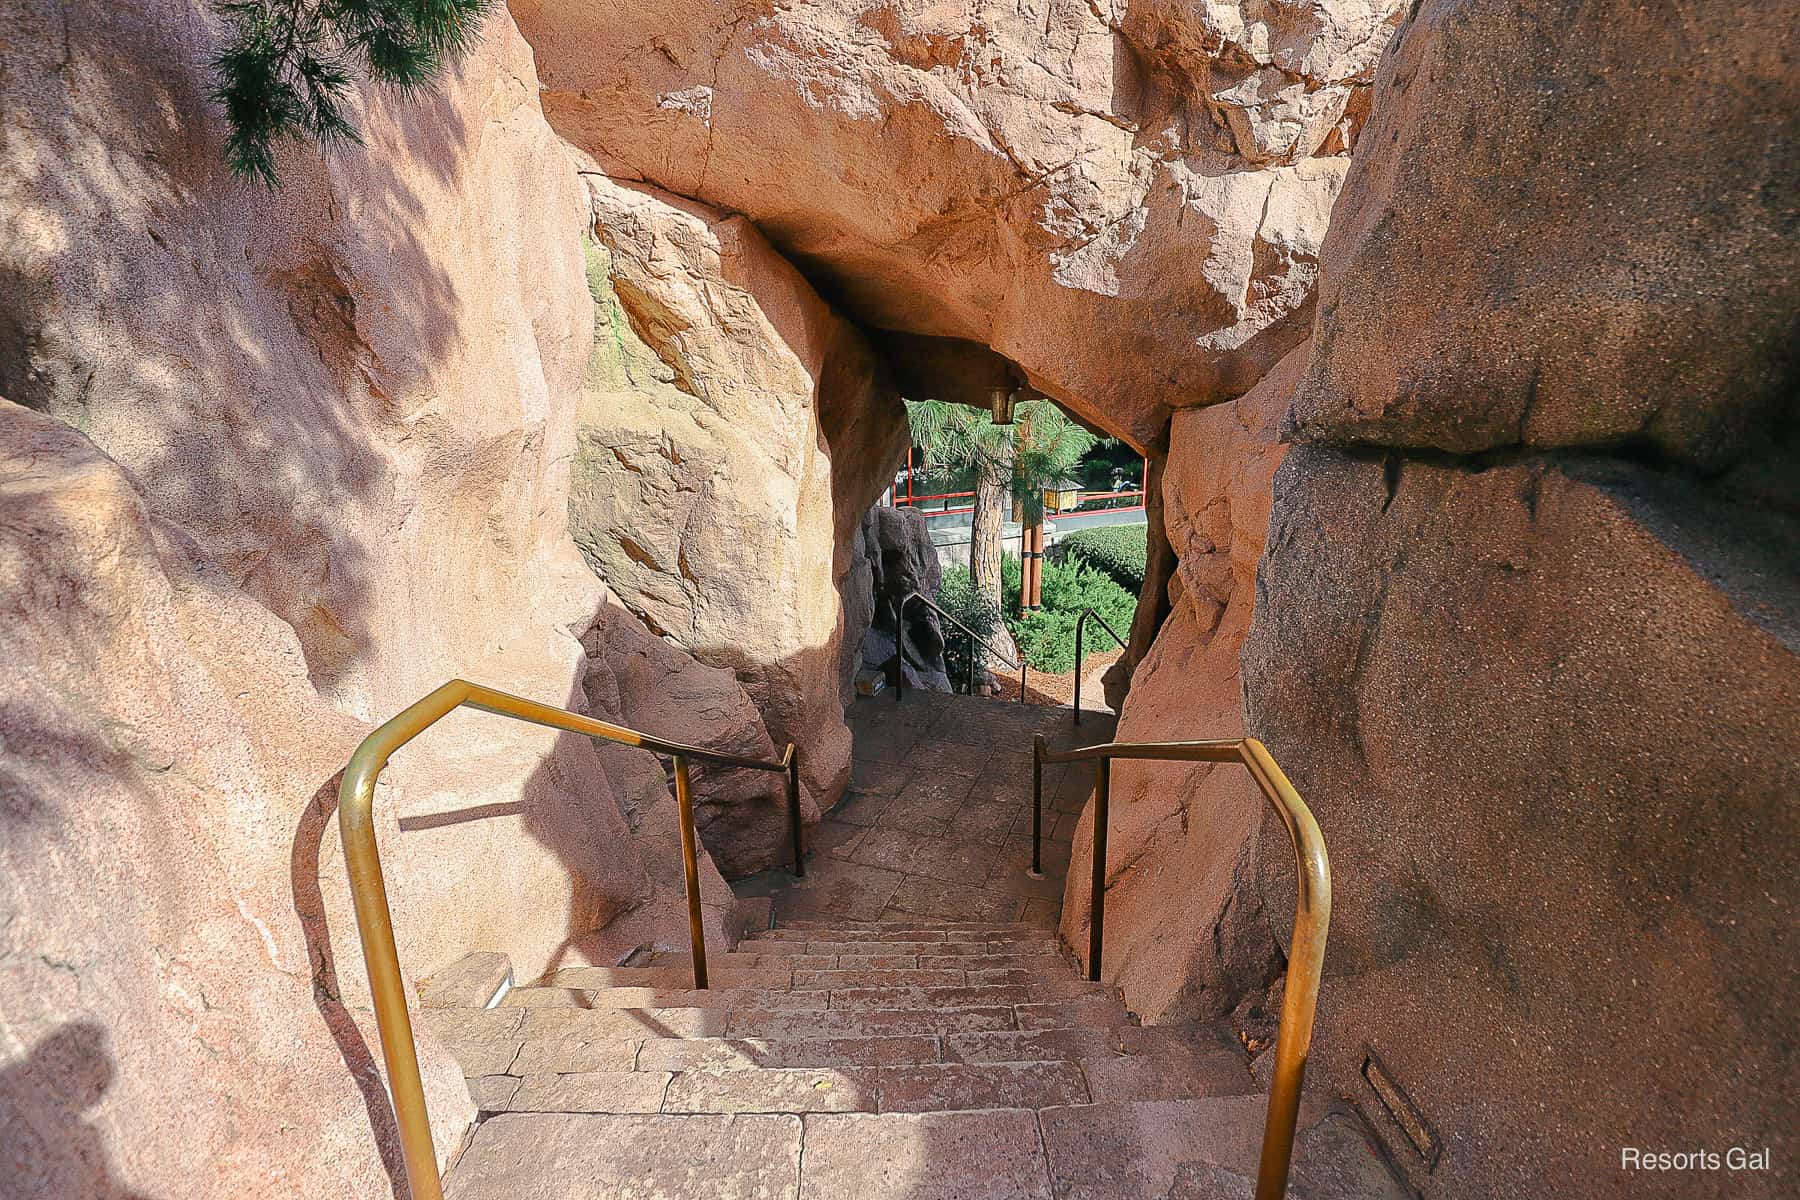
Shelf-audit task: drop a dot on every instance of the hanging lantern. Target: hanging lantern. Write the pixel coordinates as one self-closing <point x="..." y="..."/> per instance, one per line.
<point x="1062" y="495"/>
<point x="1002" y="400"/>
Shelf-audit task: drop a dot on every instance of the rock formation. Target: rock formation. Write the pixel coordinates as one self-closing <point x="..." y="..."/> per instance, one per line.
<point x="1184" y="838"/>
<point x="1527" y="627"/>
<point x="733" y="433"/>
<point x="1016" y="175"/>
<point x="319" y="470"/>
<point x="894" y="556"/>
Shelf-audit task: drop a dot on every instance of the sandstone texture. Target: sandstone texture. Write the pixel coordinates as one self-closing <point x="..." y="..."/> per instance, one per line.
<point x="1183" y="841"/>
<point x="733" y="432"/>
<point x="894" y="556"/>
<point x="1658" y="319"/>
<point x="1019" y="176"/>
<point x="642" y="681"/>
<point x="166" y="788"/>
<point x="320" y="469"/>
<point x="1547" y="714"/>
<point x="1525" y="633"/>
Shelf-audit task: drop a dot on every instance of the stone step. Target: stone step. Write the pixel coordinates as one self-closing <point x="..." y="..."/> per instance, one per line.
<point x="911" y="923"/>
<point x="809" y="999"/>
<point x="561" y="1156"/>
<point x="472" y="981"/>
<point x="1222" y="1071"/>
<point x="648" y="998"/>
<point x="723" y="1054"/>
<point x="678" y="977"/>
<point x="917" y="1087"/>
<point x="1127" y="1151"/>
<point x="611" y="1024"/>
<point x="964" y="996"/>
<point x="903" y="933"/>
<point x="995" y="967"/>
<point x="819" y="948"/>
<point x="852" y="933"/>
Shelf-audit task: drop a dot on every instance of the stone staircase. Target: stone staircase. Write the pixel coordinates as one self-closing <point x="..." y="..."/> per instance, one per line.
<point x="926" y="1060"/>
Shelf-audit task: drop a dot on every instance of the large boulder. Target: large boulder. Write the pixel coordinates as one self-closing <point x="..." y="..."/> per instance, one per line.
<point x="640" y="680"/>
<point x="173" y="1019"/>
<point x="896" y="555"/>
<point x="733" y="432"/>
<point x="1019" y="176"/>
<point x="1184" y="837"/>
<point x="1660" y="315"/>
<point x="1527" y="627"/>
<point x="1548" y="716"/>
<point x="341" y="415"/>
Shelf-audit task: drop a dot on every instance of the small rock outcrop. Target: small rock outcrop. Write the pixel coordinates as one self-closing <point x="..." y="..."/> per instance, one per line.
<point x="1019" y="176"/>
<point x="895" y="556"/>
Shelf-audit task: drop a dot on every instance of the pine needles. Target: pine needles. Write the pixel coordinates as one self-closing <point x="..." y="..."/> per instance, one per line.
<point x="291" y="64"/>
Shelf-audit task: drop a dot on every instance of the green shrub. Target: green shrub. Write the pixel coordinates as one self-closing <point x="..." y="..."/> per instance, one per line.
<point x="956" y="595"/>
<point x="1117" y="550"/>
<point x="1047" y="637"/>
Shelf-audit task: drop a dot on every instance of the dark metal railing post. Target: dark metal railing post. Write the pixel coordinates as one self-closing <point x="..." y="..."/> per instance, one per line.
<point x="1080" y="659"/>
<point x="793" y="789"/>
<point x="1097" y="905"/>
<point x="690" y="862"/>
<point x="1021" y="677"/>
<point x="1037" y="808"/>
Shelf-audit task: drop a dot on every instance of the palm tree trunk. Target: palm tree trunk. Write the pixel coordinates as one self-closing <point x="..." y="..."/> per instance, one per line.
<point x="986" y="524"/>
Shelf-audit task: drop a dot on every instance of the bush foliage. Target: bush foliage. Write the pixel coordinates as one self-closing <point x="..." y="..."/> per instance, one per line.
<point x="1117" y="550"/>
<point x="1047" y="637"/>
<point x="957" y="596"/>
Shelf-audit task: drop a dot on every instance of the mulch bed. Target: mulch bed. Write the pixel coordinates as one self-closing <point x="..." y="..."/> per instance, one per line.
<point x="1057" y="690"/>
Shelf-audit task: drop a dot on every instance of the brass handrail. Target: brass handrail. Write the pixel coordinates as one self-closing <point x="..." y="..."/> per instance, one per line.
<point x="899" y="649"/>
<point x="368" y="889"/>
<point x="1080" y="660"/>
<point x="1312" y="910"/>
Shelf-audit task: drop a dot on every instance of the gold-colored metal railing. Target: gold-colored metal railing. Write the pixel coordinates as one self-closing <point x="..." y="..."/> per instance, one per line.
<point x="368" y="889"/>
<point x="1312" y="909"/>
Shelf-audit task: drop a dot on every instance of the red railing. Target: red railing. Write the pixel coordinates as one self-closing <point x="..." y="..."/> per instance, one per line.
<point x="1090" y="501"/>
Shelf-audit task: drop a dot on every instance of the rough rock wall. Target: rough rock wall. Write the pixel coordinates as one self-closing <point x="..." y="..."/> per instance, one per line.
<point x="1529" y="618"/>
<point x="1183" y="840"/>
<point x="170" y="1011"/>
<point x="895" y="556"/>
<point x="1019" y="175"/>
<point x="734" y="432"/>
<point x="347" y="403"/>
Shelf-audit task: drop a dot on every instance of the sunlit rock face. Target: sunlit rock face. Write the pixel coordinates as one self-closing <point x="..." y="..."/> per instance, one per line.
<point x="1528" y="621"/>
<point x="733" y="432"/>
<point x="1184" y="838"/>
<point x="166" y="793"/>
<point x="286" y="462"/>
<point x="1126" y="200"/>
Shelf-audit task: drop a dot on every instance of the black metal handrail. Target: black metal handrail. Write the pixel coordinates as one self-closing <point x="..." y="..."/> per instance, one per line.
<point x="1312" y="909"/>
<point x="1080" y="660"/>
<point x="974" y="639"/>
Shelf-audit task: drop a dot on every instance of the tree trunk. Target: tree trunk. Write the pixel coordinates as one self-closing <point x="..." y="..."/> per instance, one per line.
<point x="986" y="524"/>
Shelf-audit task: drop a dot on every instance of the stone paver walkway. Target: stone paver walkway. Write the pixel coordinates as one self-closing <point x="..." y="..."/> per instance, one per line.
<point x="937" y="821"/>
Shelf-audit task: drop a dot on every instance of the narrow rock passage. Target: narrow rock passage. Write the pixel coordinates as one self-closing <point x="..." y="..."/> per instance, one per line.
<point x="909" y="1029"/>
<point x="937" y="822"/>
